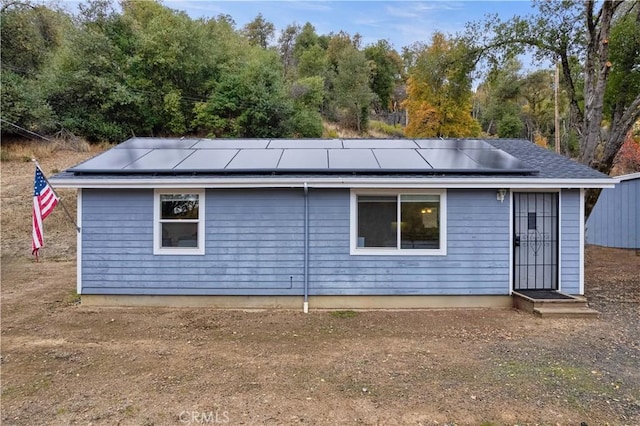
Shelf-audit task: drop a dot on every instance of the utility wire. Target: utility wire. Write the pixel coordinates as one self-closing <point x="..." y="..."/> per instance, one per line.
<point x="29" y="132"/>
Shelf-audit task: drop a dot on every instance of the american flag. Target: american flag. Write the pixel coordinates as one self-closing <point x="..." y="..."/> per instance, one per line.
<point x="44" y="201"/>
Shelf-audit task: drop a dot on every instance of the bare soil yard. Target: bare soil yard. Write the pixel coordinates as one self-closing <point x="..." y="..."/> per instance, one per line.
<point x="63" y="363"/>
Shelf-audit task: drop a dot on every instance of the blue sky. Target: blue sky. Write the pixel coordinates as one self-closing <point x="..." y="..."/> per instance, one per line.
<point x="399" y="22"/>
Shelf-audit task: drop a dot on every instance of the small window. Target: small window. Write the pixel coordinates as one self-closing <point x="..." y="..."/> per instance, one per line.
<point x="398" y="223"/>
<point x="179" y="222"/>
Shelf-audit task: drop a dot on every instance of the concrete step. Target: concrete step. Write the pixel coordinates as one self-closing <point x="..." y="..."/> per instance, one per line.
<point x="552" y="303"/>
<point x="572" y="307"/>
<point x="567" y="311"/>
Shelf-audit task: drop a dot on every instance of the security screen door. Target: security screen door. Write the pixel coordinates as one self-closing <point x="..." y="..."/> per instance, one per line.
<point x="535" y="223"/>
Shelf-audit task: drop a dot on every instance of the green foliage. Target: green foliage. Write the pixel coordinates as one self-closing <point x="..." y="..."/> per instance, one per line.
<point x="173" y="111"/>
<point x="312" y="62"/>
<point x="249" y="100"/>
<point x="624" y="54"/>
<point x="305" y="40"/>
<point x="28" y="35"/>
<point x="23" y="104"/>
<point x="439" y="90"/>
<point x="286" y="44"/>
<point x="597" y="45"/>
<point x="386" y="72"/>
<point x="348" y="76"/>
<point x="308" y="92"/>
<point x="306" y="124"/>
<point x="510" y="126"/>
<point x="259" y="31"/>
<point x="85" y="83"/>
<point x="107" y="73"/>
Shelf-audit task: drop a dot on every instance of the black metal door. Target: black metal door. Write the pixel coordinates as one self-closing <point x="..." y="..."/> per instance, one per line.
<point x="535" y="223"/>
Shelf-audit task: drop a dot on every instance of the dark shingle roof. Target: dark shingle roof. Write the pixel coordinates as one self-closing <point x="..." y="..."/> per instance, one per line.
<point x="549" y="164"/>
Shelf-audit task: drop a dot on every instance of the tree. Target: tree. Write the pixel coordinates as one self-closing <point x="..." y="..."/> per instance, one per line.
<point x="171" y="60"/>
<point x="86" y="82"/>
<point x="567" y="31"/>
<point x="386" y="72"/>
<point x="439" y="90"/>
<point x="538" y="110"/>
<point x="623" y="86"/>
<point x="349" y="95"/>
<point x="286" y="44"/>
<point x="259" y="31"/>
<point x="30" y="34"/>
<point x="498" y="100"/>
<point x="248" y="100"/>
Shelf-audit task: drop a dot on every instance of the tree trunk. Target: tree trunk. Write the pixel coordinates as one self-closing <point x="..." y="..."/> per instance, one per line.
<point x="590" y="198"/>
<point x="596" y="72"/>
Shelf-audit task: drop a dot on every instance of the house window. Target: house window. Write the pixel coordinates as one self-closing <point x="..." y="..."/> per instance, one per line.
<point x="179" y="222"/>
<point x="398" y="223"/>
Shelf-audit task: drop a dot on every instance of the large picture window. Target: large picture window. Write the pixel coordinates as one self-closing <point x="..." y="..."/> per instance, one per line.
<point x="398" y="223"/>
<point x="179" y="222"/>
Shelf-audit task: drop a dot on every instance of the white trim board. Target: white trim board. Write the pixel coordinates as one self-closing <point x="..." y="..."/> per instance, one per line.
<point x="79" y="242"/>
<point x="333" y="182"/>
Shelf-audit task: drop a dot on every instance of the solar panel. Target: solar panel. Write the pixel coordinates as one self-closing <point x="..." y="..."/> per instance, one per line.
<point x="255" y="160"/>
<point x="352" y="159"/>
<point x="305" y="143"/>
<point x="150" y="155"/>
<point x="378" y="143"/>
<point x="160" y="159"/>
<point x="207" y="159"/>
<point x="154" y="143"/>
<point x="399" y="159"/>
<point x="114" y="159"/>
<point x="231" y="143"/>
<point x="495" y="159"/>
<point x="448" y="159"/>
<point x="454" y="143"/>
<point x="304" y="159"/>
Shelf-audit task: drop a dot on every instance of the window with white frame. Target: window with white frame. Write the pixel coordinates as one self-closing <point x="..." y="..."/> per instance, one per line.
<point x="398" y="223"/>
<point x="178" y="222"/>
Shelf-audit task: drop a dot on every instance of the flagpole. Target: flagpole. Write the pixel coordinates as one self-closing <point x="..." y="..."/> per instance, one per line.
<point x="56" y="194"/>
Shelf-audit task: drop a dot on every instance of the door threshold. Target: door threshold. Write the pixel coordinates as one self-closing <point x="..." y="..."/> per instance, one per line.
<point x="544" y="294"/>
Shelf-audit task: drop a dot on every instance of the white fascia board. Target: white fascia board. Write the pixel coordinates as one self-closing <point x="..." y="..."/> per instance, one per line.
<point x="631" y="176"/>
<point x="335" y="182"/>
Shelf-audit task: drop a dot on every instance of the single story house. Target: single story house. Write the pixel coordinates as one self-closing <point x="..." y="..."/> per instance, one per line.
<point x="340" y="223"/>
<point x="615" y="219"/>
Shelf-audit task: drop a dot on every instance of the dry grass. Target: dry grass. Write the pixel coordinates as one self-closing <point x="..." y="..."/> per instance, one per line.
<point x="333" y="130"/>
<point x="17" y="193"/>
<point x="26" y="150"/>
<point x="377" y="130"/>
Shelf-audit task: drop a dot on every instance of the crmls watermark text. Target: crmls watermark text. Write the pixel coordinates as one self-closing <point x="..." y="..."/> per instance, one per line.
<point x="204" y="417"/>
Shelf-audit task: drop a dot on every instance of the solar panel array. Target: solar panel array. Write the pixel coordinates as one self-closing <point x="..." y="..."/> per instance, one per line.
<point x="171" y="156"/>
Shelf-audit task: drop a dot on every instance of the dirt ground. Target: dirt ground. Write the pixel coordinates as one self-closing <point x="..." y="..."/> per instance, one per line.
<point x="64" y="363"/>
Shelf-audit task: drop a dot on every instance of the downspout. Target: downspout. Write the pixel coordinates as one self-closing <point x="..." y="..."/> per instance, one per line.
<point x="305" y="305"/>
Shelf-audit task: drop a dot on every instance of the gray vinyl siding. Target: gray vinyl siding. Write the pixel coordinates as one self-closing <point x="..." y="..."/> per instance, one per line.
<point x="614" y="221"/>
<point x="477" y="260"/>
<point x="570" y="224"/>
<point x="254" y="245"/>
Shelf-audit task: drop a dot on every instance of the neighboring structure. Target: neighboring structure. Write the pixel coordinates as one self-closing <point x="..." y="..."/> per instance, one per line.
<point x="328" y="223"/>
<point x="615" y="219"/>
